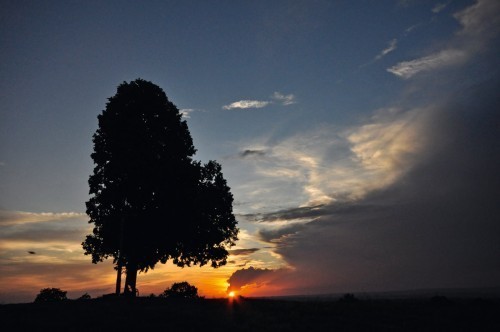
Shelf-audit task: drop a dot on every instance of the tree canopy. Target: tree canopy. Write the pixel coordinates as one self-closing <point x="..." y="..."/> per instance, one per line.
<point x="150" y="201"/>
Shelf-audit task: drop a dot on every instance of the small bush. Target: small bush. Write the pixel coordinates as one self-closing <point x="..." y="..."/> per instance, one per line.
<point x="51" y="295"/>
<point x="180" y="290"/>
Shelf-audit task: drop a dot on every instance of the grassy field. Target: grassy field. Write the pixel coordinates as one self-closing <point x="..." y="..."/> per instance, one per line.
<point x="438" y="314"/>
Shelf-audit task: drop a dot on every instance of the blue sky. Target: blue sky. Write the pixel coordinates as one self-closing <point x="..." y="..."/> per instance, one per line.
<point x="330" y="120"/>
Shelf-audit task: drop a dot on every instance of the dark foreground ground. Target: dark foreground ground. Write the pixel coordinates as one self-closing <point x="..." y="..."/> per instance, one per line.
<point x="143" y="314"/>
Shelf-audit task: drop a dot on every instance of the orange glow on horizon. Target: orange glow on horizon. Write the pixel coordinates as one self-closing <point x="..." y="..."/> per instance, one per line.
<point x="231" y="294"/>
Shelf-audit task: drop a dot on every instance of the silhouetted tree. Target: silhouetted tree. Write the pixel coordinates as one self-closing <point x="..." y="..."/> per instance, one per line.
<point x="51" y="295"/>
<point x="150" y="201"/>
<point x="181" y="290"/>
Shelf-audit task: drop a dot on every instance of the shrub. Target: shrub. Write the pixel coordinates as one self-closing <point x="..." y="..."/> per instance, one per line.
<point x="181" y="290"/>
<point x="51" y="295"/>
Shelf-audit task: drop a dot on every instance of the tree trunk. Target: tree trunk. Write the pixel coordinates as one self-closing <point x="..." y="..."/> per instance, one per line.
<point x="119" y="263"/>
<point x="118" y="278"/>
<point x="131" y="280"/>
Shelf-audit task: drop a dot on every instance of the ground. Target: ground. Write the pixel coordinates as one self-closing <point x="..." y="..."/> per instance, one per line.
<point x="254" y="315"/>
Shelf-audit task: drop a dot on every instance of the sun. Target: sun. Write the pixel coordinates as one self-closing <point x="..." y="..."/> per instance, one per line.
<point x="231" y="294"/>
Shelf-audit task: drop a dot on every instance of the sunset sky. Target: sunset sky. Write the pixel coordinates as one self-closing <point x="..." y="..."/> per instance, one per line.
<point x="360" y="139"/>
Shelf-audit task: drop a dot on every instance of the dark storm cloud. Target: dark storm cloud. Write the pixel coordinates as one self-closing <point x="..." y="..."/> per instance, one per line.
<point x="250" y="153"/>
<point x="278" y="234"/>
<point x="243" y="252"/>
<point x="288" y="214"/>
<point x="252" y="276"/>
<point x="436" y="226"/>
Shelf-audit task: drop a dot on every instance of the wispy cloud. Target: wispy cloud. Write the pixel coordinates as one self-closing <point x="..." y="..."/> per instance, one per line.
<point x="246" y="104"/>
<point x="480" y="22"/>
<point x="391" y="47"/>
<point x="21" y="217"/>
<point x="284" y="99"/>
<point x="277" y="97"/>
<point x="439" y="7"/>
<point x="407" y="69"/>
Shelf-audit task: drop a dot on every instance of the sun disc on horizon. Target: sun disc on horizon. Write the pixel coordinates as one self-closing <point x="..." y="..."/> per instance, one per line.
<point x="231" y="294"/>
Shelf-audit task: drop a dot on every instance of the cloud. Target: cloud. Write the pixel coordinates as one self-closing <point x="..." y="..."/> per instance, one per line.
<point x="439" y="7"/>
<point x="250" y="153"/>
<point x="246" y="104"/>
<point x="278" y="97"/>
<point x="391" y="47"/>
<point x="334" y="164"/>
<point x="407" y="69"/>
<point x="58" y="262"/>
<point x="243" y="252"/>
<point x="284" y="99"/>
<point x="481" y="20"/>
<point x="280" y="234"/>
<point x="305" y="212"/>
<point x="21" y="217"/>
<point x="405" y="199"/>
<point x="480" y="23"/>
<point x="435" y="225"/>
<point x="252" y="276"/>
<point x="23" y="280"/>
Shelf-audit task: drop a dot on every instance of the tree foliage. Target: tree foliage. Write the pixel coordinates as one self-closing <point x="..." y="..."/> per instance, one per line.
<point x="182" y="290"/>
<point x="150" y="201"/>
<point x="51" y="295"/>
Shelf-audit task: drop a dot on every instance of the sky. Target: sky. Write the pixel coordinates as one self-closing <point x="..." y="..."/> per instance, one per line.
<point x="360" y="139"/>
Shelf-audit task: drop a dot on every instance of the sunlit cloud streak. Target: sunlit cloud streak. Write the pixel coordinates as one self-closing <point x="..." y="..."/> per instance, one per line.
<point x="407" y="69"/>
<point x="21" y="217"/>
<point x="277" y="97"/>
<point x="390" y="48"/>
<point x="246" y="104"/>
